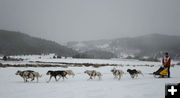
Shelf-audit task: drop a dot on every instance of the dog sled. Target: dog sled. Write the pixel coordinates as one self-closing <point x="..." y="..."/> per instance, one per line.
<point x="162" y="72"/>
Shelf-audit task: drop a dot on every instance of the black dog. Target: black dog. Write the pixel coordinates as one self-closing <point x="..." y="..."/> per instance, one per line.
<point x="56" y="73"/>
<point x="134" y="73"/>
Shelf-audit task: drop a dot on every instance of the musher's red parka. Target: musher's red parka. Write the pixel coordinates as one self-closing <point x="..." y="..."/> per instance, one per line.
<point x="166" y="61"/>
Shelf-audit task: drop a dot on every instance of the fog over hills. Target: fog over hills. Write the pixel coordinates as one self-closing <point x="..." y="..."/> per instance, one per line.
<point x="17" y="43"/>
<point x="152" y="45"/>
<point x="147" y="45"/>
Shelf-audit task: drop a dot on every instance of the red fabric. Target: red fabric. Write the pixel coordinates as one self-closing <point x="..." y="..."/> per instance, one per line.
<point x="166" y="61"/>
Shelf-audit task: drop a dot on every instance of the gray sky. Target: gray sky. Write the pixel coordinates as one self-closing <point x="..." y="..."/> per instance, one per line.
<point x="68" y="20"/>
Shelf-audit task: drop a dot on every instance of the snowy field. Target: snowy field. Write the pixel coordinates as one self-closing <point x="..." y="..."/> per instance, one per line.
<point x="48" y="59"/>
<point x="12" y="86"/>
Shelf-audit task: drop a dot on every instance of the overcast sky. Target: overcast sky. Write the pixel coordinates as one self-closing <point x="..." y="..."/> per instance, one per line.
<point x="77" y="20"/>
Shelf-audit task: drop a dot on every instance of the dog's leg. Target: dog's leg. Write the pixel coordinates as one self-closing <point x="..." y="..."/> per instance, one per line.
<point x="59" y="78"/>
<point x="114" y="76"/>
<point x="32" y="77"/>
<point x="24" y="79"/>
<point x="119" y="77"/>
<point x="90" y="78"/>
<point x="132" y="76"/>
<point x="94" y="76"/>
<point x="49" y="79"/>
<point x="27" y="80"/>
<point x="100" y="78"/>
<point x="73" y="75"/>
<point x="136" y="75"/>
<point x="55" y="78"/>
<point x="65" y="77"/>
<point x="142" y="74"/>
<point x="37" y="79"/>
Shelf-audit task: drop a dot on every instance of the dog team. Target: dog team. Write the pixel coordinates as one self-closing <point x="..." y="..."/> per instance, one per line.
<point x="117" y="73"/>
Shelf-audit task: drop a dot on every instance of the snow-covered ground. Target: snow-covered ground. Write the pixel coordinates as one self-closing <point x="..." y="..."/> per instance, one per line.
<point x="31" y="59"/>
<point x="12" y="86"/>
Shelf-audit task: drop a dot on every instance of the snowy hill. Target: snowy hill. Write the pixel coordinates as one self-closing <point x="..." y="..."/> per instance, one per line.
<point x="147" y="45"/>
